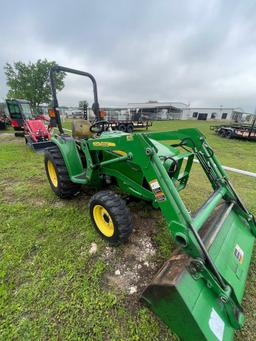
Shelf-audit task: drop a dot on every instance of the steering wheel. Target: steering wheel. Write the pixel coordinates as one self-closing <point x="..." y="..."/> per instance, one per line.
<point x="99" y="126"/>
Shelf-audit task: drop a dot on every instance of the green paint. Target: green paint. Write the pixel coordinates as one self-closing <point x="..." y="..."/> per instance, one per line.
<point x="199" y="304"/>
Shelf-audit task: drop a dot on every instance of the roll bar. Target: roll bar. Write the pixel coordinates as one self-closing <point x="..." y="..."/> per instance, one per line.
<point x="58" y="68"/>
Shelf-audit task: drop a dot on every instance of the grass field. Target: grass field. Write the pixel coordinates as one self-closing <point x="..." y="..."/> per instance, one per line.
<point x="54" y="287"/>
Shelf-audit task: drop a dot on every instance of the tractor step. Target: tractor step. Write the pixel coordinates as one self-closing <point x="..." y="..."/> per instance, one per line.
<point x="184" y="300"/>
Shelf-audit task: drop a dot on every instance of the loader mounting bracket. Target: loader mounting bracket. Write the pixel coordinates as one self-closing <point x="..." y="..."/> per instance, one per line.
<point x="234" y="310"/>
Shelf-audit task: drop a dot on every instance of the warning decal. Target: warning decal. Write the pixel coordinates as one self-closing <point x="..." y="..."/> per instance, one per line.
<point x="239" y="254"/>
<point x="216" y="325"/>
<point x="157" y="190"/>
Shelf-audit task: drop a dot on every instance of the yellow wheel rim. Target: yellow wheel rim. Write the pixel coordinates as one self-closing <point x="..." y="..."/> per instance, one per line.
<point x="52" y="173"/>
<point x="103" y="220"/>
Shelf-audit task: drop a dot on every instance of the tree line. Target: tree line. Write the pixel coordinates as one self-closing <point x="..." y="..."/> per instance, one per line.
<point x="31" y="82"/>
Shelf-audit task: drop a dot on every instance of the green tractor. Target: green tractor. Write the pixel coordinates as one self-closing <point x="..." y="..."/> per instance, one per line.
<point x="198" y="292"/>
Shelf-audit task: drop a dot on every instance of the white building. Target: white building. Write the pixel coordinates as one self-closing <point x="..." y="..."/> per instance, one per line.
<point x="154" y="110"/>
<point x="158" y="110"/>
<point x="214" y="113"/>
<point x="183" y="111"/>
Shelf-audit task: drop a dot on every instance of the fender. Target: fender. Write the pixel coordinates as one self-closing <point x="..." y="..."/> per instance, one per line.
<point x="72" y="159"/>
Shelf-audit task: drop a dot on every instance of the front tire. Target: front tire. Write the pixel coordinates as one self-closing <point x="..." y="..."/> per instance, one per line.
<point x="110" y="217"/>
<point x="57" y="174"/>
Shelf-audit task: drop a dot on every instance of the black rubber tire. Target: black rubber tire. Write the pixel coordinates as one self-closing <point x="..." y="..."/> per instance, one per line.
<point x="223" y="133"/>
<point x="19" y="134"/>
<point x="129" y="128"/>
<point x="229" y="134"/>
<point x="28" y="139"/>
<point x="121" y="127"/>
<point x="3" y="125"/>
<point x="119" y="213"/>
<point x="65" y="187"/>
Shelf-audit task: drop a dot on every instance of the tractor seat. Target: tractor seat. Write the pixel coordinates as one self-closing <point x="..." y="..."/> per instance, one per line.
<point x="81" y="129"/>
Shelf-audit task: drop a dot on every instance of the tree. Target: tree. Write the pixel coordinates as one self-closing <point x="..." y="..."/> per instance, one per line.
<point x="31" y="81"/>
<point x="83" y="105"/>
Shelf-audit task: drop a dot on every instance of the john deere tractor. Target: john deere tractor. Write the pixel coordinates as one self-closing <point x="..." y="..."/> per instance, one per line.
<point x="198" y="292"/>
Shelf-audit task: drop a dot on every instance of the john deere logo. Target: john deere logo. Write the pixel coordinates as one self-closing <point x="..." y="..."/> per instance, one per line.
<point x="103" y="144"/>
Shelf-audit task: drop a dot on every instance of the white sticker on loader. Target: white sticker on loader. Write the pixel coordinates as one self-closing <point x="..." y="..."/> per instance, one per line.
<point x="216" y="325"/>
<point x="239" y="254"/>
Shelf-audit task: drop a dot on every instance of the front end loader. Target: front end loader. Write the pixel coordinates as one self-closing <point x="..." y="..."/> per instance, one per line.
<point x="198" y="292"/>
<point x="25" y="124"/>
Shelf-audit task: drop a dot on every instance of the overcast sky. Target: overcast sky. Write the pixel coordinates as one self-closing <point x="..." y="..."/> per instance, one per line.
<point x="198" y="52"/>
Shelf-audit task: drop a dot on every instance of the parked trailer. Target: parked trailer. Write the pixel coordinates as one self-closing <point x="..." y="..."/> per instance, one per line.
<point x="129" y="126"/>
<point x="123" y="119"/>
<point x="238" y="131"/>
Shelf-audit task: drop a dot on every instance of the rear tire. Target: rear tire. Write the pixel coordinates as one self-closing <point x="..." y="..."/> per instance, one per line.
<point x="129" y="128"/>
<point x="19" y="134"/>
<point x="57" y="174"/>
<point x="111" y="217"/>
<point x="229" y="134"/>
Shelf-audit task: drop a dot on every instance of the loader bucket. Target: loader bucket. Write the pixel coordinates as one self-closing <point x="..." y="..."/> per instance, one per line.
<point x="187" y="303"/>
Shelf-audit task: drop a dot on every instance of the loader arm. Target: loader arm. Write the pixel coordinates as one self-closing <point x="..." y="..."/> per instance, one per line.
<point x="203" y="237"/>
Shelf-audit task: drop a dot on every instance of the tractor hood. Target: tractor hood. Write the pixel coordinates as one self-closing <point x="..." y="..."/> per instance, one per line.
<point x="164" y="150"/>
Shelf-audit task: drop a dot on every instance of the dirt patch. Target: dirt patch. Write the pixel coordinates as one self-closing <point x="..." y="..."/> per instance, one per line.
<point x="134" y="264"/>
<point x="7" y="194"/>
<point x="8" y="186"/>
<point x="36" y="179"/>
<point x="12" y="198"/>
<point x="10" y="137"/>
<point x="57" y="203"/>
<point x="6" y="134"/>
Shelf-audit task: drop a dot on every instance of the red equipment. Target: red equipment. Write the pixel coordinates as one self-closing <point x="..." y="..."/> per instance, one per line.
<point x="4" y="120"/>
<point x="37" y="136"/>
